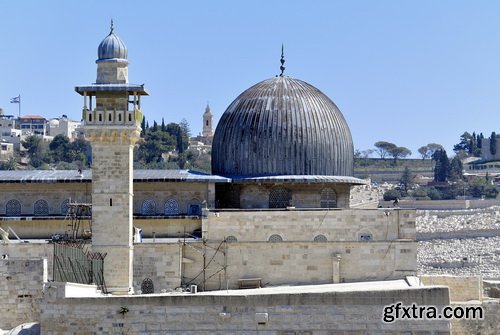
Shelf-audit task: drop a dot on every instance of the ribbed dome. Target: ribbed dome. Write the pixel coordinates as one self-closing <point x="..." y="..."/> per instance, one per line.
<point x="282" y="126"/>
<point x="112" y="47"/>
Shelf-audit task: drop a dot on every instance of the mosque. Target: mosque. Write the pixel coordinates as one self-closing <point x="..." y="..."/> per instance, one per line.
<point x="282" y="170"/>
<point x="274" y="211"/>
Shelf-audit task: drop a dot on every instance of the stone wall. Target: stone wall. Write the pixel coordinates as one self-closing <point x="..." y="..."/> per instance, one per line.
<point x="44" y="228"/>
<point x="307" y="311"/>
<point x="305" y="225"/>
<point x="21" y="290"/>
<point x="461" y="288"/>
<point x="24" y="251"/>
<point x="158" y="262"/>
<point x="184" y="194"/>
<point x="489" y="325"/>
<point x="303" y="195"/>
<point x="442" y="204"/>
<point x="56" y="194"/>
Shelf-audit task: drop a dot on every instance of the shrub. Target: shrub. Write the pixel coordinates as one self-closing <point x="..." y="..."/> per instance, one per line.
<point x="391" y="195"/>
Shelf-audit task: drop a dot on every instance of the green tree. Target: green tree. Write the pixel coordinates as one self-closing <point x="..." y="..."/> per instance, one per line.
<point x="150" y="150"/>
<point x="406" y="180"/>
<point x="480" y="142"/>
<point x="428" y="150"/>
<point x="480" y="187"/>
<point x="456" y="169"/>
<point x="465" y="143"/>
<point x="442" y="167"/>
<point x="59" y="149"/>
<point x="143" y="126"/>
<point x="180" y="135"/>
<point x="36" y="150"/>
<point x="399" y="152"/>
<point x="9" y="164"/>
<point x="185" y="127"/>
<point x="391" y="195"/>
<point x="384" y="148"/>
<point x="493" y="143"/>
<point x="424" y="152"/>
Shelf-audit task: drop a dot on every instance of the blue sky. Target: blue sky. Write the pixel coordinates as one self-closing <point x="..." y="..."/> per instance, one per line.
<point x="407" y="72"/>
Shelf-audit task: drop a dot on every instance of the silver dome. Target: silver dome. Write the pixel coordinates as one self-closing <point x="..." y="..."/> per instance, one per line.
<point x="112" y="47"/>
<point x="282" y="126"/>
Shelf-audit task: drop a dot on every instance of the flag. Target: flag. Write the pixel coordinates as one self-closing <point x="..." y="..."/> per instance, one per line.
<point x="16" y="100"/>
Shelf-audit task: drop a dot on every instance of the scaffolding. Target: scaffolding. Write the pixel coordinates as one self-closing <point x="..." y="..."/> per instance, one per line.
<point x="79" y="216"/>
<point x="214" y="263"/>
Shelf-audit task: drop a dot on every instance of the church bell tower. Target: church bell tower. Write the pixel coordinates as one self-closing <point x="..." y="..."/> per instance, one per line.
<point x="112" y="123"/>
<point x="207" y="123"/>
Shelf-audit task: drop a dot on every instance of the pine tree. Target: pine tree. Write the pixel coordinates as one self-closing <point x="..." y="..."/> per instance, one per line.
<point x="493" y="144"/>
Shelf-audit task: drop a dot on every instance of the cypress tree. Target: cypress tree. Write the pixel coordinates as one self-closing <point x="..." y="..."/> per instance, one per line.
<point x="493" y="144"/>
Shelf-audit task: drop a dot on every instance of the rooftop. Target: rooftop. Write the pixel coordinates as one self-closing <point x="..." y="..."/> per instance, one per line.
<point x="73" y="176"/>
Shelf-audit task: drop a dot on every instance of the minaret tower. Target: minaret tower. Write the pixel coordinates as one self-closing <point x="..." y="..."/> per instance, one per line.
<point x="113" y="127"/>
<point x="207" y="123"/>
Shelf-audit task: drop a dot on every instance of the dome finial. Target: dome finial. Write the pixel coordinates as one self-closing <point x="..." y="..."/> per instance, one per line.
<point x="282" y="60"/>
<point x="111" y="26"/>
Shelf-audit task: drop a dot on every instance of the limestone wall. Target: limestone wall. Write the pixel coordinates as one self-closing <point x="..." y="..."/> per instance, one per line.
<point x="44" y="228"/>
<point x="56" y="194"/>
<point x="489" y="325"/>
<point x="21" y="290"/>
<point x="335" y="225"/>
<point x="461" y="288"/>
<point x="23" y="251"/>
<point x="158" y="262"/>
<point x="243" y="312"/>
<point x="303" y="195"/>
<point x="442" y="204"/>
<point x="184" y="195"/>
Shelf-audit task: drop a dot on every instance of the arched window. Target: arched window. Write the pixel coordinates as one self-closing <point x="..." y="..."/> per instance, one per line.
<point x="90" y="117"/>
<point x="328" y="198"/>
<point x="280" y="197"/>
<point x="320" y="238"/>
<point x="148" y="207"/>
<point x="41" y="208"/>
<point x="194" y="207"/>
<point x="231" y="238"/>
<point x="65" y="207"/>
<point x="365" y="236"/>
<point x="171" y="207"/>
<point x="13" y="208"/>
<point x="274" y="238"/>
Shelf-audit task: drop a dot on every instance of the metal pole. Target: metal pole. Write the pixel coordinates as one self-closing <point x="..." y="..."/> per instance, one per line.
<point x="19" y="105"/>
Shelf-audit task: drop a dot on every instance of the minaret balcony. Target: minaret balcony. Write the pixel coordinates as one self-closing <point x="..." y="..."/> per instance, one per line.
<point x="112" y="118"/>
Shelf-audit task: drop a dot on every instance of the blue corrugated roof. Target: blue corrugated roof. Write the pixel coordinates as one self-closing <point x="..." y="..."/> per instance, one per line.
<point x="72" y="176"/>
<point x="301" y="179"/>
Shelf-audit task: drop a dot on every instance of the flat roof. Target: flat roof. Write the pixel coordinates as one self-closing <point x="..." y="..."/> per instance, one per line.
<point x="301" y="179"/>
<point x="73" y="176"/>
<point x="93" y="88"/>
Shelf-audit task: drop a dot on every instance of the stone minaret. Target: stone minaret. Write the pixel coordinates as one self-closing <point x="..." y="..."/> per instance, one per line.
<point x="207" y="123"/>
<point x="113" y="127"/>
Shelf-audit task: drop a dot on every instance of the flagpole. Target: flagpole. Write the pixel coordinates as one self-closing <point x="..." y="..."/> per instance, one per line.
<point x="19" y="110"/>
